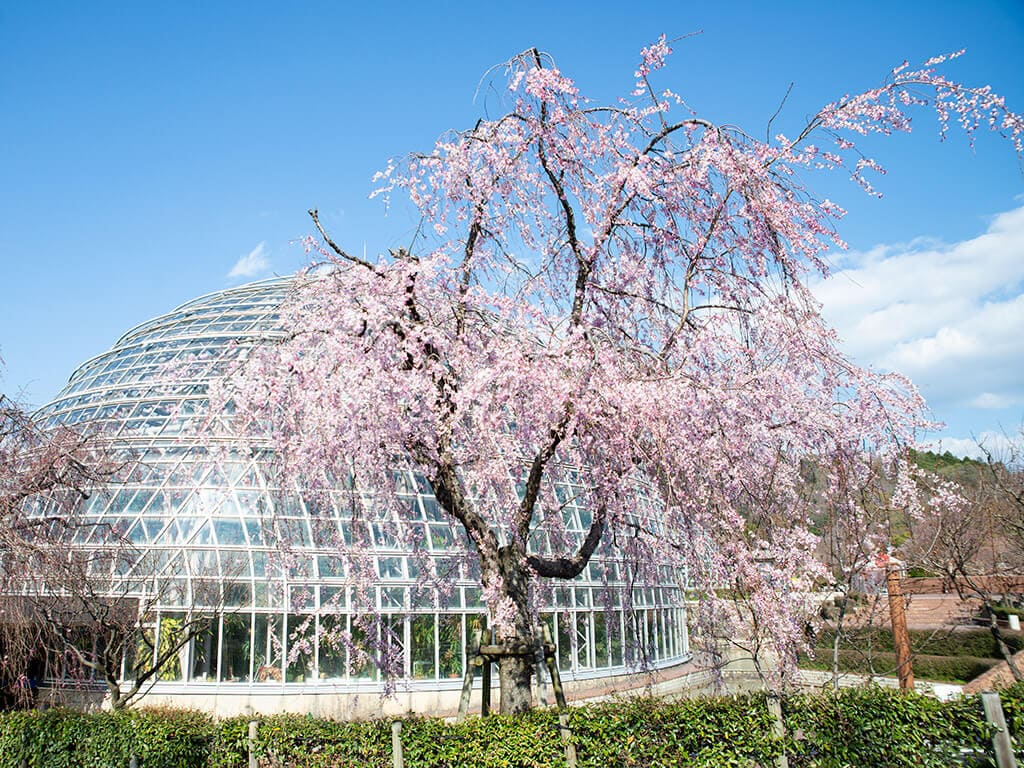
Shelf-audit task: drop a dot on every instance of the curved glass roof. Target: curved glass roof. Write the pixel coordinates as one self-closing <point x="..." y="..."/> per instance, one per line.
<point x="211" y="529"/>
<point x="200" y="505"/>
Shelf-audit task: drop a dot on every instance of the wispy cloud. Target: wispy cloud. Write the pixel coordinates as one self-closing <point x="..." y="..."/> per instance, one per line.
<point x="252" y="263"/>
<point x="989" y="443"/>
<point x="948" y="315"/>
<point x="993" y="401"/>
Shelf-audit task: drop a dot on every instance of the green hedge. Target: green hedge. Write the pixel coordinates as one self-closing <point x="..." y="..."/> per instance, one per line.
<point x="63" y="738"/>
<point x="721" y="731"/>
<point x="947" y="669"/>
<point x="1004" y="611"/>
<point x="962" y="642"/>
<point x="303" y="741"/>
<point x="882" y="727"/>
<point x="864" y="727"/>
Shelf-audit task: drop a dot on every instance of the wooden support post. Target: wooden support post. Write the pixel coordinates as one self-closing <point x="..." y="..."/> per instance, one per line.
<point x="1001" y="738"/>
<point x="472" y="656"/>
<point x="556" y="684"/>
<point x="251" y="743"/>
<point x="397" y="756"/>
<point x="901" y="640"/>
<point x="485" y="678"/>
<point x="778" y="728"/>
<point x="539" y="664"/>
<point x="556" y="678"/>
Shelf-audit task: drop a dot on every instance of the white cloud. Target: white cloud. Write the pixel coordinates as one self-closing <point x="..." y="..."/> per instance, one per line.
<point x="992" y="401"/>
<point x="950" y="316"/>
<point x="998" y="445"/>
<point x="252" y="263"/>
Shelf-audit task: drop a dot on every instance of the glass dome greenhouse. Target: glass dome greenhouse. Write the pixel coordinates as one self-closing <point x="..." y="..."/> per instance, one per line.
<point x="206" y="518"/>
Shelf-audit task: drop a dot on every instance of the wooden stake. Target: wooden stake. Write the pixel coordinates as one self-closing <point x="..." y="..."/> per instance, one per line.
<point x="472" y="658"/>
<point x="901" y="640"/>
<point x="1001" y="738"/>
<point x="485" y="677"/>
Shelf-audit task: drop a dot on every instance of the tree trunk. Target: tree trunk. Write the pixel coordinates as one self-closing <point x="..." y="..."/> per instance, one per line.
<point x="515" y="672"/>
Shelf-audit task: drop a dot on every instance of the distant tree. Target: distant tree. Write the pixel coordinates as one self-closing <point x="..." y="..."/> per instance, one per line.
<point x="76" y="614"/>
<point x="1006" y="471"/>
<point x="617" y="292"/>
<point x="968" y="531"/>
<point x="62" y="465"/>
<point x="65" y="611"/>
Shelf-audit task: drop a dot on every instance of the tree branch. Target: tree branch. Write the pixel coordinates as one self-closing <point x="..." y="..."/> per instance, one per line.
<point x="571" y="567"/>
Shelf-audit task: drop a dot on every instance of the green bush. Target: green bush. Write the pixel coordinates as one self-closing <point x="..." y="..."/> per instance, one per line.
<point x="960" y="642"/>
<point x="1013" y="708"/>
<point x="63" y="738"/>
<point x="302" y="741"/>
<point x="705" y="731"/>
<point x="865" y="727"/>
<point x="1003" y="611"/>
<point x="868" y="727"/>
<point x="946" y="669"/>
<point x="531" y="740"/>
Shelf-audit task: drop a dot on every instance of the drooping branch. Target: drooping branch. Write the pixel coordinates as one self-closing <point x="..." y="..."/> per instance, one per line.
<point x="314" y="214"/>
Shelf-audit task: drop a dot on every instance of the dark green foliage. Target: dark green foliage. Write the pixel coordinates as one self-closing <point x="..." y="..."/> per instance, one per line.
<point x="947" y="656"/>
<point x="62" y="738"/>
<point x="865" y="727"/>
<point x="966" y="642"/>
<point x="880" y="727"/>
<point x="525" y="741"/>
<point x="693" y="732"/>
<point x="1013" y="709"/>
<point x="303" y="741"/>
<point x="1003" y="611"/>
<point x="945" y="463"/>
<point x="947" y="669"/>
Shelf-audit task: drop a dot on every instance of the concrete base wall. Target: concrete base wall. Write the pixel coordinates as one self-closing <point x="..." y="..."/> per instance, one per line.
<point x="354" y="702"/>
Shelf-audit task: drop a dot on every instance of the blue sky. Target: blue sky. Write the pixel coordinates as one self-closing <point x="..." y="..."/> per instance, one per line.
<point x="150" y="153"/>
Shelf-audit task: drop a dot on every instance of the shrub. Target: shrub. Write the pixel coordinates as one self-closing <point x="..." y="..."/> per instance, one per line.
<point x="864" y="727"/>
<point x="947" y="669"/>
<point x="63" y="738"/>
<point x="869" y="727"/>
<point x="960" y="642"/>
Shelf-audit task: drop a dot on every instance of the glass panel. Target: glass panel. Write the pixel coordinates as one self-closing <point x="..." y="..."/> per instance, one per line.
<point x="360" y="654"/>
<point x="664" y="644"/>
<point x="450" y="645"/>
<point x="204" y="651"/>
<point x="301" y="637"/>
<point x="582" y="624"/>
<point x="267" y="647"/>
<point x="332" y="598"/>
<point x="422" y="637"/>
<point x="333" y="630"/>
<point x="564" y="640"/>
<point x="139" y="652"/>
<point x="172" y="633"/>
<point x="229" y="532"/>
<point x="652" y="645"/>
<point x="393" y="645"/>
<point x="615" y="637"/>
<point x="600" y="640"/>
<point x="390" y="567"/>
<point x="235" y="657"/>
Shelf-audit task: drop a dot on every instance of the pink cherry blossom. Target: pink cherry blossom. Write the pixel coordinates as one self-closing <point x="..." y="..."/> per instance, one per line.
<point x="613" y="295"/>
